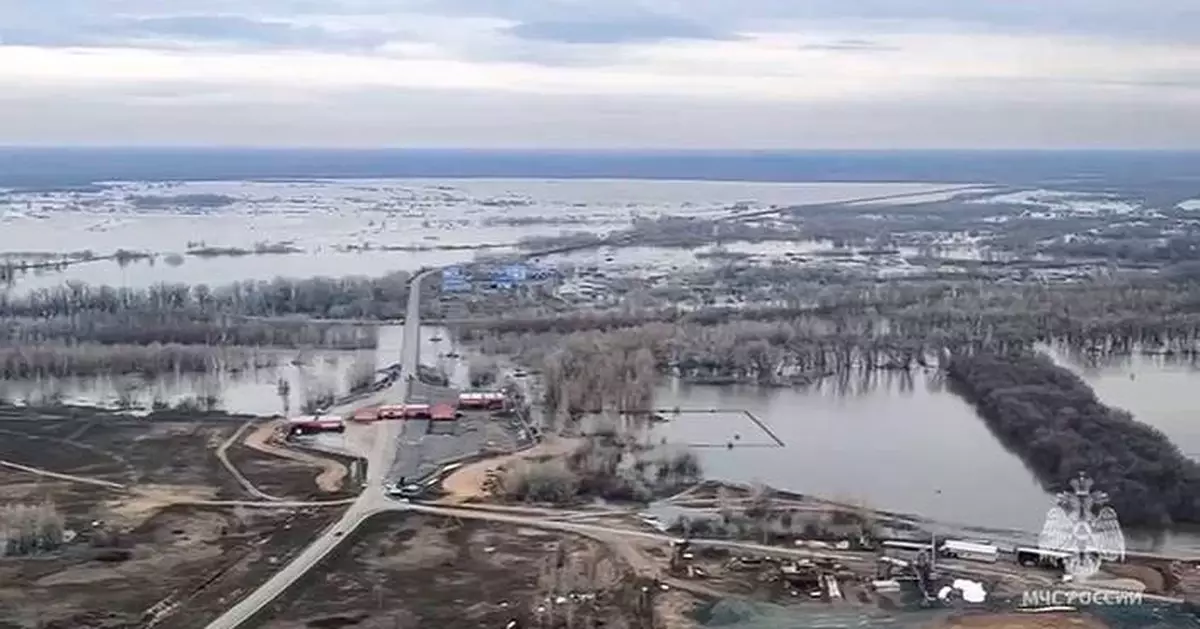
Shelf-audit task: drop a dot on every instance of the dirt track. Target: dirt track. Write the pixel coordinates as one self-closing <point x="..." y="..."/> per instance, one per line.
<point x="466" y="483"/>
<point x="56" y="475"/>
<point x="333" y="473"/>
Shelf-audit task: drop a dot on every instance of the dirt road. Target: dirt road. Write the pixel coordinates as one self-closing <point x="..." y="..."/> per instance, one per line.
<point x="55" y="475"/>
<point x="333" y="473"/>
<point x="223" y="457"/>
<point x="466" y="483"/>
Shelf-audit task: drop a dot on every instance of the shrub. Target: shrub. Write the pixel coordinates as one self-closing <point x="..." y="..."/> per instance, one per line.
<point x="30" y="529"/>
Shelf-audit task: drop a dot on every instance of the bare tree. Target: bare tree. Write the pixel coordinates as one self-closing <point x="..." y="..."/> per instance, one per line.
<point x="28" y="529"/>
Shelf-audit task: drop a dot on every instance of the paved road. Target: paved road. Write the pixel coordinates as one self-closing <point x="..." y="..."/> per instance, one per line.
<point x="373" y="498"/>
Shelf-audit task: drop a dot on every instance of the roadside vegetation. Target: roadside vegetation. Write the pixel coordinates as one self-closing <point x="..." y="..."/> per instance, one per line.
<point x="611" y="463"/>
<point x="758" y="514"/>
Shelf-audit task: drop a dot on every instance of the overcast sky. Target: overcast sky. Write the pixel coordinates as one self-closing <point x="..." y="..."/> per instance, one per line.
<point x="602" y="73"/>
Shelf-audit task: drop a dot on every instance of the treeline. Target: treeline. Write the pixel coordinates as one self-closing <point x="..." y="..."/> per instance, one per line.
<point x="60" y="360"/>
<point x="617" y="369"/>
<point x="139" y="328"/>
<point x="335" y="298"/>
<point x="1051" y="419"/>
<point x="591" y="372"/>
<point x="1102" y="316"/>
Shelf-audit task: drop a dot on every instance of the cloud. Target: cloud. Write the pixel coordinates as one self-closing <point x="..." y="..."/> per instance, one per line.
<point x="237" y="115"/>
<point x="237" y="29"/>
<point x="180" y="30"/>
<point x="850" y="45"/>
<point x="655" y="72"/>
<point x="646" y="28"/>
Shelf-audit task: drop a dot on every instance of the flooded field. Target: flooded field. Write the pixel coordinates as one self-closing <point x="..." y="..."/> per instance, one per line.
<point x="1155" y="389"/>
<point x="141" y="273"/>
<point x="908" y="445"/>
<point x="253" y="391"/>
<point x="215" y="232"/>
<point x="897" y="444"/>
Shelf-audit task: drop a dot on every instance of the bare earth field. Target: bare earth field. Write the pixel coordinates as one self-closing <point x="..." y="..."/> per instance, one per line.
<point x="144" y="554"/>
<point x="1022" y="621"/>
<point x="409" y="571"/>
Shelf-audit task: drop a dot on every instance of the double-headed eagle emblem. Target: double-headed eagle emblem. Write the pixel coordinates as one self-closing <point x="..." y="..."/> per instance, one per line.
<point x="1083" y="527"/>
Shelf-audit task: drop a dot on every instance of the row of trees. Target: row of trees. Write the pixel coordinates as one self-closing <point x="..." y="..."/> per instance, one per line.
<point x="1052" y="419"/>
<point x="51" y="360"/>
<point x="903" y="319"/>
<point x="134" y="328"/>
<point x="323" y="297"/>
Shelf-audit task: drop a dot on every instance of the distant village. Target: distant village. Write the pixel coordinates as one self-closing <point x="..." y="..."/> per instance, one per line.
<point x="585" y="284"/>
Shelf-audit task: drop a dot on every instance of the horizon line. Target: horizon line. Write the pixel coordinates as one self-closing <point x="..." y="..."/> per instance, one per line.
<point x="578" y="150"/>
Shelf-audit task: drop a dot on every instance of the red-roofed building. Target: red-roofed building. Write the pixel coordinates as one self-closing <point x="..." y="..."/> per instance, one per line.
<point x="404" y="411"/>
<point x="369" y="414"/>
<point x="316" y="425"/>
<point x="443" y="412"/>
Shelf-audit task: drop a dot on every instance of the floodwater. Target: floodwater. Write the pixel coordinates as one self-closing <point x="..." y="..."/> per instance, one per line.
<point x="1155" y="390"/>
<point x="910" y="446"/>
<point x="894" y="445"/>
<point x="254" y="391"/>
<point x="143" y="273"/>
<point x="1152" y="388"/>
<point x="324" y="218"/>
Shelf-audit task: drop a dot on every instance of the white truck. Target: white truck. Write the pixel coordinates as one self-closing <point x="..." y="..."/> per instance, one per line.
<point x="970" y="551"/>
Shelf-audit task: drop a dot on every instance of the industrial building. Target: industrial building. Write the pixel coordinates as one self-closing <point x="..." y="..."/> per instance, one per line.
<point x="404" y="411"/>
<point x="454" y="280"/>
<point x="437" y="412"/>
<point x="483" y="400"/>
<point x="496" y="276"/>
<point x="443" y="412"/>
<point x="314" y="424"/>
<point x="366" y="414"/>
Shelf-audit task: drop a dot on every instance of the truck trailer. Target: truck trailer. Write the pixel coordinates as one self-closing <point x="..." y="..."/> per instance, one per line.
<point x="970" y="551"/>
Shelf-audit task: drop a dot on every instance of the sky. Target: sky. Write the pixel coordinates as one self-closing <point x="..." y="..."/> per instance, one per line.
<point x="612" y="74"/>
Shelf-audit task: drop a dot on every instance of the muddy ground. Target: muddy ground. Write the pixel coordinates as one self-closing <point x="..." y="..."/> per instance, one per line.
<point x="201" y="559"/>
<point x="407" y="571"/>
<point x="283" y="478"/>
<point x="1021" y="621"/>
<point x="135" y="550"/>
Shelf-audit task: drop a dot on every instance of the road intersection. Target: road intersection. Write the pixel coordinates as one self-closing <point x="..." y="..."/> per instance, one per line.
<point x="371" y="501"/>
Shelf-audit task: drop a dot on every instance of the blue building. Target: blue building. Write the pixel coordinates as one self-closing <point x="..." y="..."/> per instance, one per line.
<point x="455" y="281"/>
